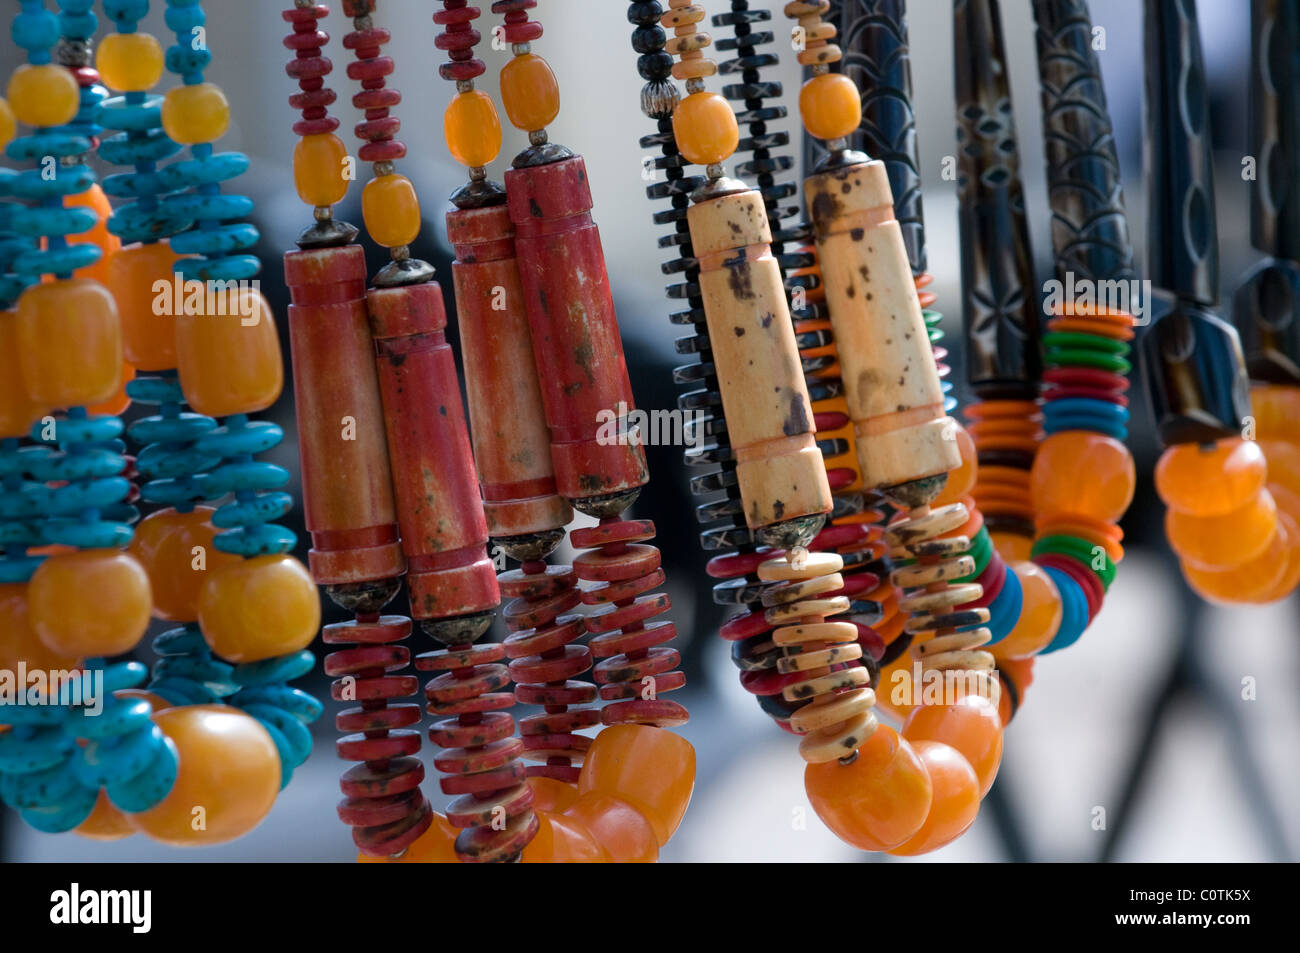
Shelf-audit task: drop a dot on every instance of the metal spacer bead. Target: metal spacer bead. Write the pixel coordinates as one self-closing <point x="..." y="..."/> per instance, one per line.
<point x="477" y="173"/>
<point x="819" y="68"/>
<point x="400" y="253"/>
<point x="715" y="170"/>
<point x="521" y="49"/>
<point x="323" y="213"/>
<point x="538" y="137"/>
<point x="464" y="85"/>
<point x="363" y="23"/>
<point x="695" y="85"/>
<point x="383" y="168"/>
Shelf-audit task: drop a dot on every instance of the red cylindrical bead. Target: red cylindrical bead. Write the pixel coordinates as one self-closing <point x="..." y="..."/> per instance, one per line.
<point x="438" y="504"/>
<point x="575" y="330"/>
<point x="346" y="482"/>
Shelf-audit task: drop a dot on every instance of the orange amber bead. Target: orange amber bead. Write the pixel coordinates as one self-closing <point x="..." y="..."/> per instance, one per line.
<point x="18" y="641"/>
<point x="653" y="770"/>
<point x="552" y="795"/>
<point x="472" y="129"/>
<point x="955" y="803"/>
<point x="1211" y="482"/>
<point x="830" y="105"/>
<point x="705" y="127"/>
<point x="318" y="165"/>
<point x="562" y="840"/>
<point x="437" y="845"/>
<point x="43" y="95"/>
<point x="70" y="342"/>
<point x="1252" y="581"/>
<point x="1040" y="614"/>
<point x="961" y="480"/>
<point x="156" y="702"/>
<point x="1276" y="408"/>
<point x="529" y="92"/>
<point x="391" y="210"/>
<point x="17" y="410"/>
<point x="119" y="401"/>
<point x="1288" y="524"/>
<point x="620" y="829"/>
<point x="89" y="603"/>
<point x="1221" y="542"/>
<point x="972" y="727"/>
<point x="195" y="114"/>
<point x="228" y="354"/>
<point x="94" y="198"/>
<point x="228" y="779"/>
<point x="879" y="800"/>
<point x="898" y="692"/>
<point x="1016" y="675"/>
<point x="1012" y="547"/>
<point x="105" y="823"/>
<point x="259" y="608"/>
<point x="176" y="551"/>
<point x="1283" y="464"/>
<point x="146" y="309"/>
<point x="1077" y="471"/>
<point x="130" y="62"/>
<point x="8" y="124"/>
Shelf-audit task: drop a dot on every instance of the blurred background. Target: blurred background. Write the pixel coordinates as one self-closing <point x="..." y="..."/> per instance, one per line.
<point x="1144" y="718"/>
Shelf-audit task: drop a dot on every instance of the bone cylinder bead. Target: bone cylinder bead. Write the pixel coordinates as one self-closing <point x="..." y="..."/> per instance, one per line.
<point x="764" y="396"/>
<point x="890" y="381"/>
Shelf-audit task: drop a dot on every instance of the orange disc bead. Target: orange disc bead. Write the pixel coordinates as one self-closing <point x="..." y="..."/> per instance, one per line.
<point x="472" y="129"/>
<point x="620" y="829"/>
<point x="1213" y="481"/>
<point x="830" y="105"/>
<point x="70" y="343"/>
<point x="878" y="801"/>
<point x="529" y="92"/>
<point x="562" y="840"/>
<point x="1221" y="542"/>
<point x="228" y="779"/>
<point x="318" y="167"/>
<point x="437" y="845"/>
<point x="259" y="608"/>
<point x="960" y="481"/>
<point x="972" y="727"/>
<point x="18" y="640"/>
<point x="391" y="210"/>
<point x="147" y="314"/>
<point x="89" y="603"/>
<point x="1040" y="614"/>
<point x="1077" y="471"/>
<point x="228" y="354"/>
<point x="18" y="411"/>
<point x="651" y="769"/>
<point x="705" y="128"/>
<point x="105" y="823"/>
<point x="955" y="803"/>
<point x="165" y="543"/>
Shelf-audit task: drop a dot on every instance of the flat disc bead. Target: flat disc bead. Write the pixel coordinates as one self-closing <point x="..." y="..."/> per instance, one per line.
<point x="1077" y="471"/>
<point x="70" y="342"/>
<point x="195" y="114"/>
<point x="129" y="62"/>
<point x="830" y="105"/>
<point x="705" y="127"/>
<point x="529" y="92"/>
<point x="89" y="603"/>
<point x="318" y="167"/>
<point x="391" y="210"/>
<point x="472" y="129"/>
<point x="1211" y="482"/>
<point x="44" y="95"/>
<point x="258" y="609"/>
<point x="228" y="354"/>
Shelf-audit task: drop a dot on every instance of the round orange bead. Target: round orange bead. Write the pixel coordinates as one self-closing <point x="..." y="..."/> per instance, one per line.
<point x="1276" y="408"/>
<point x="705" y="128"/>
<point x="472" y="129"/>
<point x="130" y="62"/>
<point x="105" y="823"/>
<point x="120" y="401"/>
<point x="18" y="641"/>
<point x="176" y="551"/>
<point x="17" y="410"/>
<point x="228" y="779"/>
<point x="391" y="210"/>
<point x="228" y="354"/>
<point x="879" y="800"/>
<point x="1077" y="471"/>
<point x="43" y="95"/>
<point x="1012" y="547"/>
<point x="1252" y="581"/>
<point x="1221" y="542"/>
<point x="955" y="803"/>
<point x="1283" y="463"/>
<point x="830" y="105"/>
<point x="156" y="702"/>
<point x="195" y="114"/>
<point x="961" y="480"/>
<point x="529" y="92"/>
<point x="8" y="124"/>
<point x="899" y="692"/>
<point x="1210" y="482"/>
<point x="552" y="795"/>
<point x="651" y="769"/>
<point x="147" y="313"/>
<point x="437" y="845"/>
<point x="563" y="840"/>
<point x="70" y="343"/>
<point x="318" y="165"/>
<point x="89" y="603"/>
<point x="622" y="831"/>
<point x="1040" y="614"/>
<point x="972" y="727"/>
<point x="94" y="199"/>
<point x="258" y="609"/>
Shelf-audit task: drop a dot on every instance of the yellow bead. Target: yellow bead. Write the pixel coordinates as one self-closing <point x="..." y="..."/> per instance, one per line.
<point x="8" y="124"/>
<point x="228" y="353"/>
<point x="17" y="410"/>
<point x="89" y="603"/>
<point x="44" y="95"/>
<point x="177" y="552"/>
<point x="147" y="315"/>
<point x="391" y="210"/>
<point x="705" y="127"/>
<point x="228" y="779"/>
<point x="195" y="114"/>
<point x="472" y="129"/>
<point x="318" y="165"/>
<point x="830" y="106"/>
<point x="94" y="199"/>
<point x="19" y="642"/>
<point x="529" y="92"/>
<point x="70" y="342"/>
<point x="129" y="62"/>
<point x="258" y="609"/>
